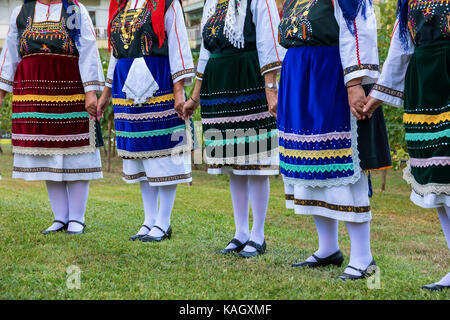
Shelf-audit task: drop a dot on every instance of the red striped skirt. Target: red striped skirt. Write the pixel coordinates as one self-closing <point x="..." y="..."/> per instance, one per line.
<point x="49" y="115"/>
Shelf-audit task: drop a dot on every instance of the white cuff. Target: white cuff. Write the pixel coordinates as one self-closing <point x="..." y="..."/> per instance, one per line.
<point x="387" y="98"/>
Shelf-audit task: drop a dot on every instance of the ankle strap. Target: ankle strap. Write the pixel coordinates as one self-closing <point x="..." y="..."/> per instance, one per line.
<point x="75" y="221"/>
<point x="159" y="228"/>
<point x="59" y="221"/>
<point x="147" y="227"/>
<point x="255" y="245"/>
<point x="236" y="242"/>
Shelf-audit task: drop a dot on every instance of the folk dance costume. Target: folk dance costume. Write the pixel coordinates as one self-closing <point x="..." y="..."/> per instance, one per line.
<point x="416" y="75"/>
<point x="49" y="62"/>
<point x="239" y="48"/>
<point x="151" y="53"/>
<point x="329" y="44"/>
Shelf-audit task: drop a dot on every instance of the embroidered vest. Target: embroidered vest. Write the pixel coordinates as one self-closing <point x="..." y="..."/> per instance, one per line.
<point x="308" y="23"/>
<point x="429" y="21"/>
<point x="214" y="38"/>
<point x="43" y="37"/>
<point x="143" y="41"/>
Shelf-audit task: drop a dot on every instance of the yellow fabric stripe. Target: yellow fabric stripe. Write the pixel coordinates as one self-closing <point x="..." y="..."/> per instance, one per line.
<point x="43" y="98"/>
<point x="125" y="102"/>
<point x="315" y="154"/>
<point x="426" y="118"/>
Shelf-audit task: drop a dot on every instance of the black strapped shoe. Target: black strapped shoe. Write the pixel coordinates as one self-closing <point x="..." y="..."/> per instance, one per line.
<point x="239" y="246"/>
<point x="335" y="259"/>
<point x="260" y="249"/>
<point x="62" y="228"/>
<point x="435" y="287"/>
<point x="364" y="273"/>
<point x="76" y="232"/>
<point x="138" y="236"/>
<point x="166" y="235"/>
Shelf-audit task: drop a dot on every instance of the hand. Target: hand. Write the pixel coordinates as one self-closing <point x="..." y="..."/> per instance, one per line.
<point x="189" y="108"/>
<point x="272" y="101"/>
<point x="2" y="97"/>
<point x="91" y="104"/>
<point x="103" y="102"/>
<point x="178" y="91"/>
<point x="371" y="105"/>
<point x="357" y="100"/>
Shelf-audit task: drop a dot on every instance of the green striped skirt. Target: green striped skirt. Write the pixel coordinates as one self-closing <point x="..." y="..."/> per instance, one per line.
<point x="427" y="119"/>
<point x="239" y="131"/>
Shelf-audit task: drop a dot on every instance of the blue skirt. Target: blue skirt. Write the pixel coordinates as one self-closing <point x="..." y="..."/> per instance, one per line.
<point x="152" y="129"/>
<point x="317" y="132"/>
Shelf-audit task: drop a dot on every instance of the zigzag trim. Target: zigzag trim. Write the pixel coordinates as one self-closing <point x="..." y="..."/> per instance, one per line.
<point x="154" y="100"/>
<point x="428" y="162"/>
<point x="45" y="98"/>
<point x="316" y="154"/>
<point x="426" y="118"/>
<point x="251" y="117"/>
<point x="315" y="138"/>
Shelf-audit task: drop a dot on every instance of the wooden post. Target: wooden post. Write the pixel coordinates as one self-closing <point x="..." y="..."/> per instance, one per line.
<point x="383" y="180"/>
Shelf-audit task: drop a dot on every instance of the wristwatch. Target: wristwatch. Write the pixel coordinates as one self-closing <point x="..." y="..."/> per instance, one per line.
<point x="271" y="86"/>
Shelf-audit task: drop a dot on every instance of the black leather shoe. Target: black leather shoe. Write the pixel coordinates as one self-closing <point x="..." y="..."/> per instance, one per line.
<point x="239" y="246"/>
<point x="62" y="228"/>
<point x="335" y="259"/>
<point x="138" y="236"/>
<point x="435" y="287"/>
<point x="166" y="235"/>
<point x="76" y="232"/>
<point x="260" y="249"/>
<point x="364" y="273"/>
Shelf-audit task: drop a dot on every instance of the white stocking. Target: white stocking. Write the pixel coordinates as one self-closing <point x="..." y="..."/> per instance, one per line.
<point x="259" y="190"/>
<point x="57" y="194"/>
<point x="150" y="201"/>
<point x="360" y="254"/>
<point x="166" y="201"/>
<point x="327" y="230"/>
<point x="78" y="192"/>
<point x="444" y="217"/>
<point x="240" y="199"/>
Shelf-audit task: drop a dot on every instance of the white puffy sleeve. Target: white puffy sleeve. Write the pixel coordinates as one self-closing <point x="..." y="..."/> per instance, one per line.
<point x="180" y="55"/>
<point x="90" y="64"/>
<point x="111" y="69"/>
<point x="389" y="87"/>
<point x="359" y="52"/>
<point x="267" y="20"/>
<point x="202" y="61"/>
<point x="10" y="58"/>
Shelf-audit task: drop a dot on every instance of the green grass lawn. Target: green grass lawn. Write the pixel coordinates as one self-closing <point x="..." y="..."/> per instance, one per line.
<point x="407" y="243"/>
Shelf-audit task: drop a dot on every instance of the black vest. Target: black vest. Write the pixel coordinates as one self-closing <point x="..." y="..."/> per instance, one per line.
<point x="308" y="23"/>
<point x="429" y="22"/>
<point x="212" y="33"/>
<point x="43" y="37"/>
<point x="145" y="41"/>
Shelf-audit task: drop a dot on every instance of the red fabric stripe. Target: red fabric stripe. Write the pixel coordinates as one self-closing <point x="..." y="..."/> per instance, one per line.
<point x="273" y="33"/>
<point x="357" y="43"/>
<point x="52" y="75"/>
<point x="178" y="39"/>
<point x="3" y="63"/>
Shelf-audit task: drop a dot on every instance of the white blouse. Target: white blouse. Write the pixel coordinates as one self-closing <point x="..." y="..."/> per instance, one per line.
<point x="391" y="84"/>
<point x="266" y="19"/>
<point x="89" y="61"/>
<point x="359" y="52"/>
<point x="180" y="55"/>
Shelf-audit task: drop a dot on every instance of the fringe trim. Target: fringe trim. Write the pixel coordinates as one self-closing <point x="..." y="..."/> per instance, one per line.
<point x="160" y="153"/>
<point x="336" y="181"/>
<point x="242" y="160"/>
<point x="424" y="189"/>
<point x="61" y="151"/>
